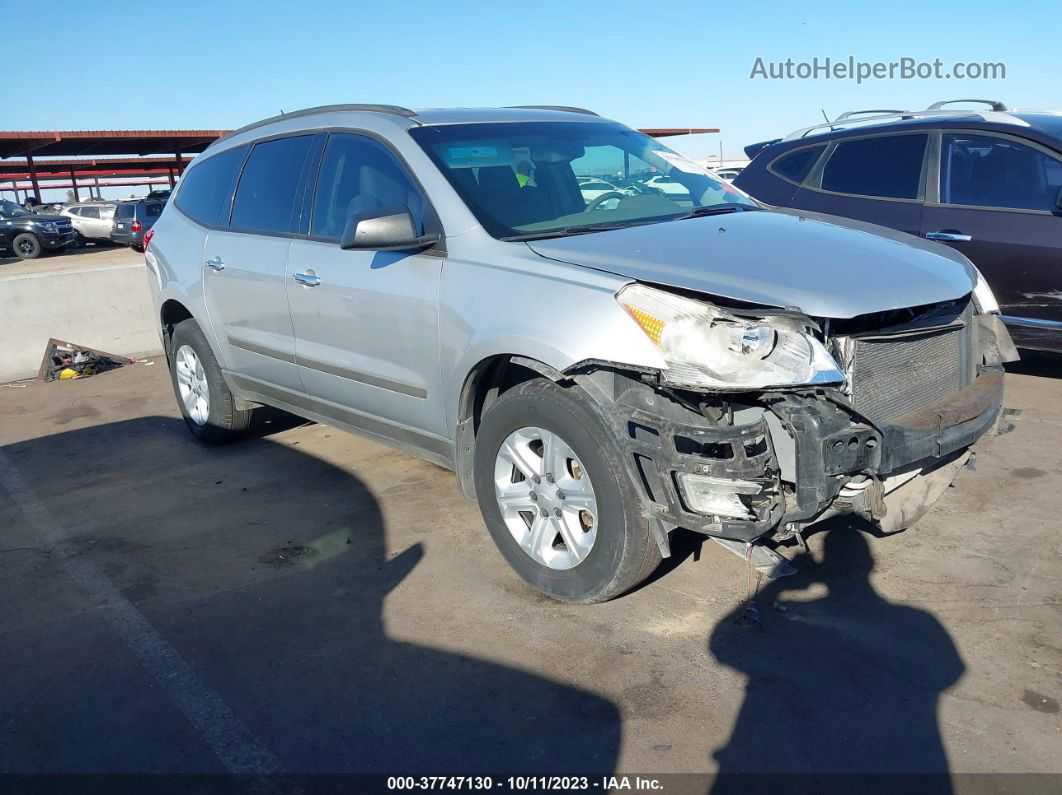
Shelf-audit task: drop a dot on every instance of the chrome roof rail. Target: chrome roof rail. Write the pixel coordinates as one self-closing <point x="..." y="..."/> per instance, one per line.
<point x="993" y="104"/>
<point x="857" y="117"/>
<point x="852" y="113"/>
<point x="395" y="110"/>
<point x="567" y="108"/>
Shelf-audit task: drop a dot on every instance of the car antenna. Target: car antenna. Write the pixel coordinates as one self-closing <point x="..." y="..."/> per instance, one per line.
<point x="826" y="117"/>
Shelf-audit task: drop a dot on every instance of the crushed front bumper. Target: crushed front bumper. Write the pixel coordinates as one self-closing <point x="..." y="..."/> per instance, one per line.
<point x="801" y="448"/>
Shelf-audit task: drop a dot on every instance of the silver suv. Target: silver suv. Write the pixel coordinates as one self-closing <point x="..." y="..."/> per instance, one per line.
<point x="597" y="371"/>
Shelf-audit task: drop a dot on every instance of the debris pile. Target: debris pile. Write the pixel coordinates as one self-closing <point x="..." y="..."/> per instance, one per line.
<point x="64" y="361"/>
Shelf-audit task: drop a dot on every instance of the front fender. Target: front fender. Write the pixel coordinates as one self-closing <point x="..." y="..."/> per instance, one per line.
<point x="559" y="315"/>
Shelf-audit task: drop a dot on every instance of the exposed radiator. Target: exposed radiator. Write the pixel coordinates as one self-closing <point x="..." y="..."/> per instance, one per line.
<point x="893" y="375"/>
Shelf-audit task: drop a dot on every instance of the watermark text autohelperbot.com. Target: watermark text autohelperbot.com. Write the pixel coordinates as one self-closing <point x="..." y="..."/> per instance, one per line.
<point x="861" y="71"/>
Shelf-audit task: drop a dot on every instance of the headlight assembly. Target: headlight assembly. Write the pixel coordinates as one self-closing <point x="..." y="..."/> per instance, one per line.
<point x="706" y="346"/>
<point x="984" y="299"/>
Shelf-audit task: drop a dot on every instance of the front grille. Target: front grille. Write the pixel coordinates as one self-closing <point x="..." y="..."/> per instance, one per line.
<point x="895" y="374"/>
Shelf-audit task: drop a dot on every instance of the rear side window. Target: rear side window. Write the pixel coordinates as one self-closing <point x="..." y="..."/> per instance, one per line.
<point x="90" y="212"/>
<point x="359" y="175"/>
<point x="889" y="167"/>
<point x="266" y="195"/>
<point x="152" y="210"/>
<point x="126" y="211"/>
<point x="985" y="171"/>
<point x="206" y="186"/>
<point x="797" y="165"/>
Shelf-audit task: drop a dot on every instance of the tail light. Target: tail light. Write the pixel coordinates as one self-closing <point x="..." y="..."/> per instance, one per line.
<point x="135" y="226"/>
<point x="147" y="237"/>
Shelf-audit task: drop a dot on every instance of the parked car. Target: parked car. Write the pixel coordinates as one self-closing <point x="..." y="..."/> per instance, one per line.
<point x="50" y="208"/>
<point x="986" y="183"/>
<point x="28" y="234"/>
<point x="729" y="173"/>
<point x="132" y="219"/>
<point x="595" y="377"/>
<point x="594" y="190"/>
<point x="667" y="184"/>
<point x="91" y="220"/>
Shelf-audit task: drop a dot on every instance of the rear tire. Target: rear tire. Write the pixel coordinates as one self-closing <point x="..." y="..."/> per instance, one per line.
<point x="622" y="553"/>
<point x="26" y="246"/>
<point x="206" y="403"/>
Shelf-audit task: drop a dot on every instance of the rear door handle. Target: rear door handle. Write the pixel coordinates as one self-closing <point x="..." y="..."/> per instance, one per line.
<point x="951" y="237"/>
<point x="307" y="279"/>
<point x="215" y="264"/>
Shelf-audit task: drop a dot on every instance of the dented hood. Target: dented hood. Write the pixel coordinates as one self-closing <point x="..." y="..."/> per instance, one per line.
<point x="824" y="265"/>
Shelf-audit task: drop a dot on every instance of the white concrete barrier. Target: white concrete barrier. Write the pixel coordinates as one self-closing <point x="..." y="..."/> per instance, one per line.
<point x="107" y="307"/>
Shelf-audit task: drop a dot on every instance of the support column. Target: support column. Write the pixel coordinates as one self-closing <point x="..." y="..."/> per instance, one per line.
<point x="172" y="180"/>
<point x="33" y="177"/>
<point x="73" y="184"/>
<point x="180" y="165"/>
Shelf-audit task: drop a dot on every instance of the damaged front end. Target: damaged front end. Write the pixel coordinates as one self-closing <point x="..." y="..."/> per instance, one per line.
<point x="919" y="387"/>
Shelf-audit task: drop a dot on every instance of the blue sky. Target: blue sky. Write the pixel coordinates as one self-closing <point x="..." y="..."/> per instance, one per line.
<point x="222" y="64"/>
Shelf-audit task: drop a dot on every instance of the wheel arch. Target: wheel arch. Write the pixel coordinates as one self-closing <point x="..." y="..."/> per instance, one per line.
<point x="484" y="383"/>
<point x="489" y="379"/>
<point x="171" y="313"/>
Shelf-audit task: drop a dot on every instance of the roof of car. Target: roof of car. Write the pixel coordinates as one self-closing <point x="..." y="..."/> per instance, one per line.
<point x="431" y="116"/>
<point x="1044" y="122"/>
<point x="434" y="116"/>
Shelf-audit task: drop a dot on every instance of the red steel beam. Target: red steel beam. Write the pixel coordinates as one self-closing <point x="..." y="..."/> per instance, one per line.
<point x="133" y="172"/>
<point x="4" y="187"/>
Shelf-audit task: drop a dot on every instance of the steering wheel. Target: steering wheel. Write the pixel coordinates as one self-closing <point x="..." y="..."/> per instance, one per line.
<point x="604" y="197"/>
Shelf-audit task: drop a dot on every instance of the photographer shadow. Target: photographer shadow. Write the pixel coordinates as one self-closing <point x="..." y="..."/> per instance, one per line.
<point x="841" y="683"/>
<point x="267" y="569"/>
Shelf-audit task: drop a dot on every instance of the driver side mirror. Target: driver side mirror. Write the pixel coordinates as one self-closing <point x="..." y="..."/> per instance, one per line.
<point x="385" y="229"/>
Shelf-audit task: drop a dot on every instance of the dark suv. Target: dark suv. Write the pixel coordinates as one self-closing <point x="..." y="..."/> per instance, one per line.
<point x="988" y="183"/>
<point x="132" y="219"/>
<point x="27" y="233"/>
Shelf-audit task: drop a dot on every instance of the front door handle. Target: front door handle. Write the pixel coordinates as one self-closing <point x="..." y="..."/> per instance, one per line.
<point x="951" y="237"/>
<point x="215" y="264"/>
<point x="307" y="279"/>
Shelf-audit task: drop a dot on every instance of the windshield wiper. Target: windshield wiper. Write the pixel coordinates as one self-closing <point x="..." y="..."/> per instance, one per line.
<point x="568" y="231"/>
<point x="718" y="209"/>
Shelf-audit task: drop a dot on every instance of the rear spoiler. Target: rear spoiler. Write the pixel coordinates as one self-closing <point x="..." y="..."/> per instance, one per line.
<point x="754" y="149"/>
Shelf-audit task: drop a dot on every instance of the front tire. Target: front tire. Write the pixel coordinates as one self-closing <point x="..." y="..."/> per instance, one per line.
<point x="206" y="403"/>
<point x="576" y="533"/>
<point x="26" y="246"/>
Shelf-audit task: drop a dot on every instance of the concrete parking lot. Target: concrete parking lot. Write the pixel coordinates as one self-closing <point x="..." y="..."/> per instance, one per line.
<point x="308" y="601"/>
<point x="94" y="255"/>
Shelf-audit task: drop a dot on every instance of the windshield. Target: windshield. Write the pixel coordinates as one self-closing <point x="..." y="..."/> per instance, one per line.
<point x="9" y="209"/>
<point x="541" y="179"/>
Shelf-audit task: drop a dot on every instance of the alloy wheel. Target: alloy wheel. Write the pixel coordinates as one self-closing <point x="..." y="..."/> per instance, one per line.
<point x="546" y="498"/>
<point x="192" y="384"/>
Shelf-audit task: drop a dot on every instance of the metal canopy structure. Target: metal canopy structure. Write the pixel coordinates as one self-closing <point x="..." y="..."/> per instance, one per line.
<point x="81" y="143"/>
<point x="99" y="166"/>
<point x="74" y="155"/>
